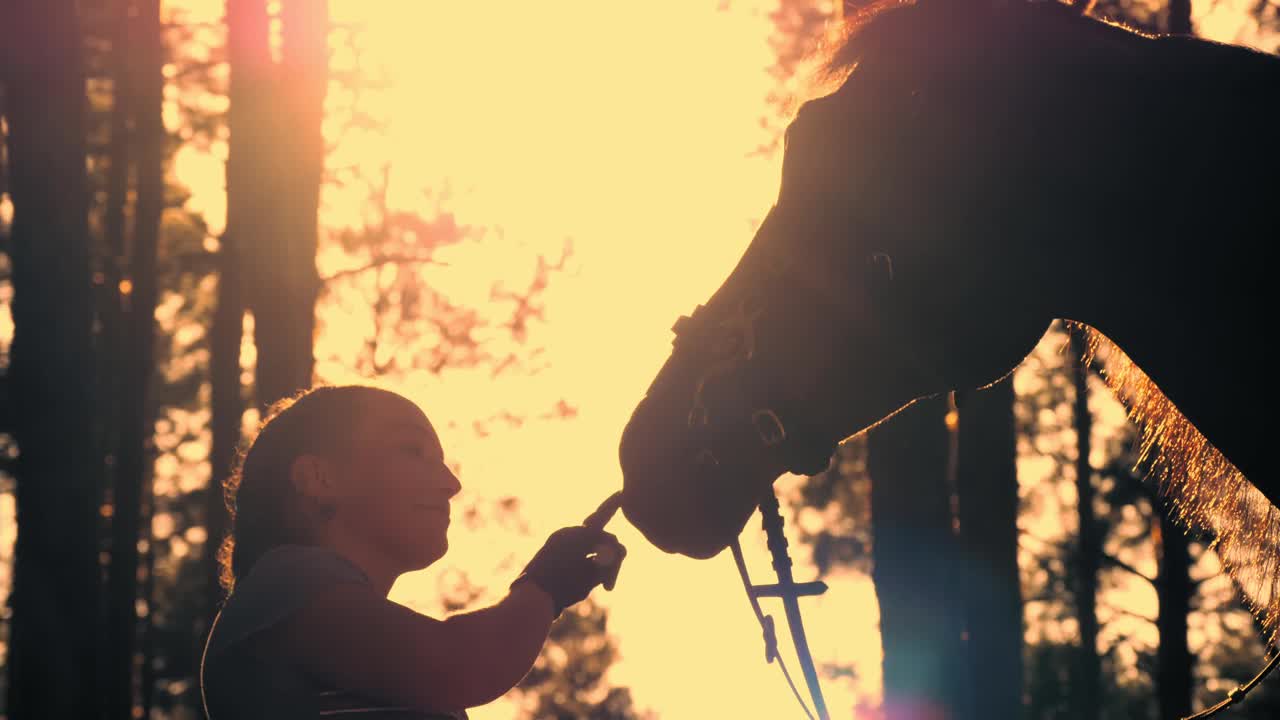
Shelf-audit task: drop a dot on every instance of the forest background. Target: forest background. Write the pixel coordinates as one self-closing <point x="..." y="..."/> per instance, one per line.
<point x="497" y="209"/>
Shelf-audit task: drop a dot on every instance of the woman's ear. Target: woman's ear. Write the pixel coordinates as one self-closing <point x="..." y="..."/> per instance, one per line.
<point x="313" y="478"/>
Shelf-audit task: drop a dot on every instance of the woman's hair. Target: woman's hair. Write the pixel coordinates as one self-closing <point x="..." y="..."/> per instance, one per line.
<point x="265" y="509"/>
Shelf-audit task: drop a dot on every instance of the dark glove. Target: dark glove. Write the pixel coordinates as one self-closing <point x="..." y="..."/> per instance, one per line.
<point x="572" y="562"/>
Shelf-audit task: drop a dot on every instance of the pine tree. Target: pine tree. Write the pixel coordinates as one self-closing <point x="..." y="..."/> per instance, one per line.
<point x="54" y="631"/>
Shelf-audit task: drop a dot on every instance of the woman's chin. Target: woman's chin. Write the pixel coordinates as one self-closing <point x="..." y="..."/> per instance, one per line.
<point x="422" y="556"/>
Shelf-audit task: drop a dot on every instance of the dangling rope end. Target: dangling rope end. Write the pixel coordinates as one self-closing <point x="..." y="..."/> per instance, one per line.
<point x="770" y="639"/>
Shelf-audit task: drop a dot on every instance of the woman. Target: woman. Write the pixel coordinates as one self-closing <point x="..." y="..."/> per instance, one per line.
<point x="343" y="490"/>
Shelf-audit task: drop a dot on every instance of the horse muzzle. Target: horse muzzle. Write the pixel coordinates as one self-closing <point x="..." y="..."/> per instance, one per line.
<point x="680" y="495"/>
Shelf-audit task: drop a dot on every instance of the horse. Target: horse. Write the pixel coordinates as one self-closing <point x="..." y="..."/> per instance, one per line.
<point x="980" y="170"/>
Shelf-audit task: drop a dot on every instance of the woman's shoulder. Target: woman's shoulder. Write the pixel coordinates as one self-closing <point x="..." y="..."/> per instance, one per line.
<point x="306" y="563"/>
<point x="282" y="581"/>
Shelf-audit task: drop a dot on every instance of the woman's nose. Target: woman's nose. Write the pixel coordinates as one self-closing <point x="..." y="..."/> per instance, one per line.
<point x="453" y="485"/>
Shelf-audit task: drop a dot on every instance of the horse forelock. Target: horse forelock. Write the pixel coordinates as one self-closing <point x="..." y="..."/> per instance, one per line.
<point x="1200" y="487"/>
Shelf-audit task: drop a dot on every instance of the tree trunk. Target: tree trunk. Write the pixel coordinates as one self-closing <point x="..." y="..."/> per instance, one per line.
<point x="987" y="483"/>
<point x="280" y="266"/>
<point x="1174" y="662"/>
<point x="914" y="552"/>
<point x="142" y="94"/>
<point x="120" y="622"/>
<point x="1180" y="17"/>
<point x="248" y="214"/>
<point x="1088" y="669"/>
<point x="51" y="660"/>
<point x="268" y="251"/>
<point x="152" y="144"/>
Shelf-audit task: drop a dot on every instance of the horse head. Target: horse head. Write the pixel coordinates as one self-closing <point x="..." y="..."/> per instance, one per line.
<point x="884" y="273"/>
<point x="928" y="210"/>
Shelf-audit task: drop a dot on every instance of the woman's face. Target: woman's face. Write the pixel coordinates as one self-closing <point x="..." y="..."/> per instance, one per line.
<point x="397" y="486"/>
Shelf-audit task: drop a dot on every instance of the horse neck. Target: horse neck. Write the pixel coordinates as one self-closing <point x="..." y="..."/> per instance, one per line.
<point x="1184" y="298"/>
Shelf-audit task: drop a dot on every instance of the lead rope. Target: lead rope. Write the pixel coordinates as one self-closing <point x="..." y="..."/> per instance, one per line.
<point x="789" y="591"/>
<point x="766" y="626"/>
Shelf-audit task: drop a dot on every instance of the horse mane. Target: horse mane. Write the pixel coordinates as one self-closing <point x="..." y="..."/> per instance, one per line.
<point x="1202" y="490"/>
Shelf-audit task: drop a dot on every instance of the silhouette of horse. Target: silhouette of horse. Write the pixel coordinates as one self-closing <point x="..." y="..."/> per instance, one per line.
<point x="981" y="170"/>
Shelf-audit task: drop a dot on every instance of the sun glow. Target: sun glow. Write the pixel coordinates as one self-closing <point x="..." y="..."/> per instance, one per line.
<point x="629" y="136"/>
<point x="619" y="144"/>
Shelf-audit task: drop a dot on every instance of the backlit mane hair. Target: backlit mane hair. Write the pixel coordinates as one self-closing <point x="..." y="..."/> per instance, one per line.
<point x="1201" y="488"/>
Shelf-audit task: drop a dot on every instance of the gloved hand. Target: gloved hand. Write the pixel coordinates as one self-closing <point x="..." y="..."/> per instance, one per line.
<point x="572" y="562"/>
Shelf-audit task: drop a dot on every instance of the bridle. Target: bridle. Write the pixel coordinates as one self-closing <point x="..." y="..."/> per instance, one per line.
<point x="771" y="433"/>
<point x="729" y="337"/>
<point x="732" y="343"/>
<point x="737" y="345"/>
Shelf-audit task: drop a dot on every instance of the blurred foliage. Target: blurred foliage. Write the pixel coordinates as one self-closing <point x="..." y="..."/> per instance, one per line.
<point x="567" y="681"/>
<point x="802" y="29"/>
<point x="833" y="512"/>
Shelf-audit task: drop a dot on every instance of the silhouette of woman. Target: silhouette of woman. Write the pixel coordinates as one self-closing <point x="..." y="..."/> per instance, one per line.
<point x="343" y="490"/>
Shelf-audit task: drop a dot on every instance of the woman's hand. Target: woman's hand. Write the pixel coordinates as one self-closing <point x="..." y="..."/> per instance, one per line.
<point x="572" y="562"/>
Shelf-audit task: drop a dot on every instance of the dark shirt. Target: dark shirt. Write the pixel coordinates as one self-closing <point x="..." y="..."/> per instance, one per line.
<point x="237" y="684"/>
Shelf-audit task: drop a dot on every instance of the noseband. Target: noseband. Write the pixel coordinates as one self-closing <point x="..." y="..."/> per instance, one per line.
<point x="731" y="343"/>
<point x="728" y="338"/>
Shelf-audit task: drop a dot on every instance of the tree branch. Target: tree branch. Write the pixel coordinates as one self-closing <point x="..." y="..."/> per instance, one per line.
<point x="1130" y="613"/>
<point x="1113" y="561"/>
<point x="1051" y="544"/>
<point x="192" y="68"/>
<point x="387" y="260"/>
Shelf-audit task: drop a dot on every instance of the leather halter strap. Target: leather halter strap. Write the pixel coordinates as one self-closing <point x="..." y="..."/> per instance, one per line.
<point x="776" y="426"/>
